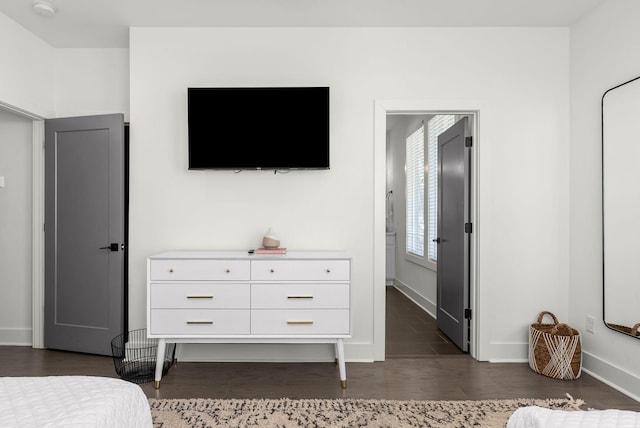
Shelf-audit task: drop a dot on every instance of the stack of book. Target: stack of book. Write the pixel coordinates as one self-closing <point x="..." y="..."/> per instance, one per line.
<point x="271" y="251"/>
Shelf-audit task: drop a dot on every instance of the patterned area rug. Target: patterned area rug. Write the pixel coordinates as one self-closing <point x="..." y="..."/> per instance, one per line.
<point x="203" y="413"/>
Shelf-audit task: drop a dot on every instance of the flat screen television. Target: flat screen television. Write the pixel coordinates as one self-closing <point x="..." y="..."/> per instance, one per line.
<point x="258" y="128"/>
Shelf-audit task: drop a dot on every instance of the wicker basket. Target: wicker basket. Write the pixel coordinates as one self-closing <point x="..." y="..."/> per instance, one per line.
<point x="555" y="349"/>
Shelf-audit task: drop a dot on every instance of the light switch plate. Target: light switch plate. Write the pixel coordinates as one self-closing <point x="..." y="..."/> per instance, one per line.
<point x="591" y="323"/>
<point x="1" y="181"/>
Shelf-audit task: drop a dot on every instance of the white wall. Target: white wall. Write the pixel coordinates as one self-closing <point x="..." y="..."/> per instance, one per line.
<point x="53" y="82"/>
<point x="91" y="81"/>
<point x="603" y="55"/>
<point x="418" y="282"/>
<point x="26" y="72"/>
<point x="520" y="75"/>
<point x="15" y="229"/>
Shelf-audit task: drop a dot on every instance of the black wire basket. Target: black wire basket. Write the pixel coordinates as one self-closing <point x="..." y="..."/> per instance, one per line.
<point x="135" y="356"/>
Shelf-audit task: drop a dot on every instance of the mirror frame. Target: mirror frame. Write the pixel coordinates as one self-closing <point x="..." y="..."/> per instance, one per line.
<point x="604" y="317"/>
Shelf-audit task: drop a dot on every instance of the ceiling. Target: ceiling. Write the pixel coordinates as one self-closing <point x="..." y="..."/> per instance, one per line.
<point x="105" y="23"/>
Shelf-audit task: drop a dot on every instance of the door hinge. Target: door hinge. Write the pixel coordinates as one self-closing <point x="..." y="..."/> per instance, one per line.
<point x="467" y="313"/>
<point x="468" y="228"/>
<point x="468" y="141"/>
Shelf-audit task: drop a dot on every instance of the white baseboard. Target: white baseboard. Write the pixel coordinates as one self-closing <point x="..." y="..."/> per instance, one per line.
<point x="615" y="377"/>
<point x="15" y="337"/>
<point x="508" y="352"/>
<point x="424" y="303"/>
<point x="358" y="352"/>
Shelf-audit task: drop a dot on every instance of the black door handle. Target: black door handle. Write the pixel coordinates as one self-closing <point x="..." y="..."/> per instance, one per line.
<point x="437" y="240"/>
<point x="112" y="247"/>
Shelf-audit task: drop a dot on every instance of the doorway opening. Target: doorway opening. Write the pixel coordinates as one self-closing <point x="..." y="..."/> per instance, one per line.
<point x="409" y="285"/>
<point x="414" y="201"/>
<point x="15" y="245"/>
<point x="36" y="264"/>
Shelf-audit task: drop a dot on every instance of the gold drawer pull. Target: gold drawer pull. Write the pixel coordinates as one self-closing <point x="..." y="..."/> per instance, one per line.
<point x="199" y="322"/>
<point x="299" y="322"/>
<point x="227" y="270"/>
<point x="171" y="270"/>
<point x="272" y="270"/>
<point x="328" y="270"/>
<point x="299" y="297"/>
<point x="199" y="297"/>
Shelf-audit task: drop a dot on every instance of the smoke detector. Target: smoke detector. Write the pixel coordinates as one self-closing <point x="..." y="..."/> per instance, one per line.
<point x="44" y="8"/>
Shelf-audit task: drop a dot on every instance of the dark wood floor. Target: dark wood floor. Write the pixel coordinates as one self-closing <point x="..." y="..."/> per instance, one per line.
<point x="412" y="332"/>
<point x="427" y="377"/>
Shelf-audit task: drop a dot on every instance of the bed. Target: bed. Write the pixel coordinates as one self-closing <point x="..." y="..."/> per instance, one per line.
<point x="72" y="401"/>
<point x="539" y="417"/>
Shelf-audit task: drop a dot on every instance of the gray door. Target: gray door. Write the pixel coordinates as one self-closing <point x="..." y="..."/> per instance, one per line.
<point x="453" y="239"/>
<point x="84" y="232"/>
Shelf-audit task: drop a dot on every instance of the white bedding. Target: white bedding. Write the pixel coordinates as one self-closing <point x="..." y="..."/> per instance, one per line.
<point x="538" y="417"/>
<point x="72" y="401"/>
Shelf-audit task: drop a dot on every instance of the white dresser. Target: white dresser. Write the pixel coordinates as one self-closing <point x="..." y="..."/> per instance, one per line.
<point x="235" y="297"/>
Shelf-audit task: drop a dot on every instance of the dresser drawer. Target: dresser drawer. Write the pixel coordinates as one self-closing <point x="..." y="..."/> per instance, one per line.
<point x="190" y="295"/>
<point x="300" y="270"/>
<point x="300" y="322"/>
<point x="297" y="296"/>
<point x="200" y="270"/>
<point x="206" y="322"/>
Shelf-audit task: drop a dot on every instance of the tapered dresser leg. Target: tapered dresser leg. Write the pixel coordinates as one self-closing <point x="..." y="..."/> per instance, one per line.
<point x="159" y="362"/>
<point x="341" y="365"/>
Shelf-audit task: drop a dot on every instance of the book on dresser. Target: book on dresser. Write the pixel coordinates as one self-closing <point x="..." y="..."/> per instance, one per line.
<point x="271" y="251"/>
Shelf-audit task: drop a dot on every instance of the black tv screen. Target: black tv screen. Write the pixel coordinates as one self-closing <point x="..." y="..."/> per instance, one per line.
<point x="258" y="128"/>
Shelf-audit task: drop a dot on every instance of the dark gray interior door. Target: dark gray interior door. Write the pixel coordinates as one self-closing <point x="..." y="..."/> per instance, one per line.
<point x="84" y="232"/>
<point x="453" y="247"/>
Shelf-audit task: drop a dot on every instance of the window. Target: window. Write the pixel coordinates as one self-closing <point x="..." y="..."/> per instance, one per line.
<point x="436" y="126"/>
<point x="418" y="193"/>
<point x="415" y="192"/>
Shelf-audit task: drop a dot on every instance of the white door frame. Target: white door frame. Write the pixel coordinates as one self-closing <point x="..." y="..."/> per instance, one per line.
<point x="37" y="222"/>
<point x="382" y="108"/>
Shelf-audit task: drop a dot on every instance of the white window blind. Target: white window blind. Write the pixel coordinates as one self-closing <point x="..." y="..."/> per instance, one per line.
<point x="415" y="192"/>
<point x="436" y="126"/>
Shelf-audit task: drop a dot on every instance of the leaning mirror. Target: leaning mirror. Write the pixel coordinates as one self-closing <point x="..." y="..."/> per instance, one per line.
<point x="621" y="207"/>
